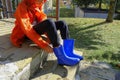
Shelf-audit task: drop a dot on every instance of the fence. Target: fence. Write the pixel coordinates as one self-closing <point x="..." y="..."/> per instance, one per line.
<point x="9" y="6"/>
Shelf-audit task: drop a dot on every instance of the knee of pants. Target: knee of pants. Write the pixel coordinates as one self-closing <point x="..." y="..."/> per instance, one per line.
<point x="50" y="23"/>
<point x="63" y="24"/>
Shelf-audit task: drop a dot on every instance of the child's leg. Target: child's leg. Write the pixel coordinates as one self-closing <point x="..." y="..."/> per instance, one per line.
<point x="62" y="26"/>
<point x="48" y="26"/>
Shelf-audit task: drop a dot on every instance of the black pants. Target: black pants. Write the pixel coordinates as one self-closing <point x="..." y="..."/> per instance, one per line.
<point x="50" y="27"/>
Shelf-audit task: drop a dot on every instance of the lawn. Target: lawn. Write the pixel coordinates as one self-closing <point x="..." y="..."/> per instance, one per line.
<point x="97" y="39"/>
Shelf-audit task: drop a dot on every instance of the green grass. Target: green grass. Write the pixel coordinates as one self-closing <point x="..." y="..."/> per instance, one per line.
<point x="64" y="12"/>
<point x="97" y="39"/>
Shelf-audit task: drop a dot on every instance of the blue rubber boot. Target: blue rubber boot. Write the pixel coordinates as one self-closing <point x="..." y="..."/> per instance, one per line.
<point x="63" y="59"/>
<point x="68" y="45"/>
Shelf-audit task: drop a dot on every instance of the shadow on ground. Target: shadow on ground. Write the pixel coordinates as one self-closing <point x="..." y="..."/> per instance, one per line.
<point x="86" y="37"/>
<point x="49" y="68"/>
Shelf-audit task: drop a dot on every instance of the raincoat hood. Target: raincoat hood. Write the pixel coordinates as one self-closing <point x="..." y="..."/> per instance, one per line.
<point x="33" y="2"/>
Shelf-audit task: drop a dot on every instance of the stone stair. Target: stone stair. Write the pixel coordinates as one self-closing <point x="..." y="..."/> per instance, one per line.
<point x="28" y="63"/>
<point x="52" y="71"/>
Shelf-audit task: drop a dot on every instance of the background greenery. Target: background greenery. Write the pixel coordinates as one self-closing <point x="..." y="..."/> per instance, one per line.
<point x="97" y="39"/>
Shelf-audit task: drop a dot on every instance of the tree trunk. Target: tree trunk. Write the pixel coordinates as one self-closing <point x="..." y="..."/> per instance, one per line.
<point x="100" y="4"/>
<point x="111" y="11"/>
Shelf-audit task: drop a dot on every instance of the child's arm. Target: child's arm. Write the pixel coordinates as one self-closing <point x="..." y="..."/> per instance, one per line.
<point x="24" y="23"/>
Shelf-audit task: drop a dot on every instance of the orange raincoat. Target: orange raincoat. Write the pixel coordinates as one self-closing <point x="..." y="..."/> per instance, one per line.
<point x="25" y="14"/>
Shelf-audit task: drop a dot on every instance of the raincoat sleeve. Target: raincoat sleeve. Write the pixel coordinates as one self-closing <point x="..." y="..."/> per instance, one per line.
<point x="23" y="20"/>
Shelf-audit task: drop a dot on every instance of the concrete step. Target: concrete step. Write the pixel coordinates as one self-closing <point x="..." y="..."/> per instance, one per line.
<point x="52" y="71"/>
<point x="20" y="64"/>
<point x="17" y="63"/>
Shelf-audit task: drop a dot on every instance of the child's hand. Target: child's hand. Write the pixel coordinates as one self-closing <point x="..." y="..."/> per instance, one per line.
<point x="49" y="49"/>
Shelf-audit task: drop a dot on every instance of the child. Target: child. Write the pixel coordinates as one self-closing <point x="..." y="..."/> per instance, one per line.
<point x="32" y="22"/>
